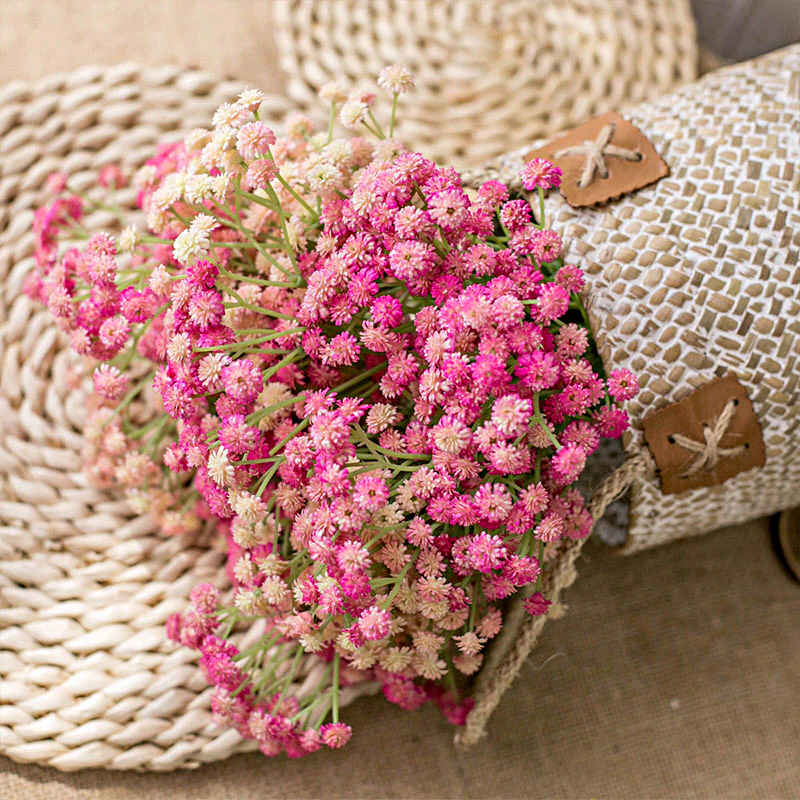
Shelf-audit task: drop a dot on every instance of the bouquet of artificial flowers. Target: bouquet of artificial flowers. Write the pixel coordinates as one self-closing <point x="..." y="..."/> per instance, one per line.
<point x="379" y="385"/>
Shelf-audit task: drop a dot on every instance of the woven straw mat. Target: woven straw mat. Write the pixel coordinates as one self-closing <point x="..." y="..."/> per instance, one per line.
<point x="698" y="276"/>
<point x="491" y="76"/>
<point x="87" y="677"/>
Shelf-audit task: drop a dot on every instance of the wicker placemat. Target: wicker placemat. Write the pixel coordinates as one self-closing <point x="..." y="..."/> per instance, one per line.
<point x="491" y="76"/>
<point x="87" y="677"/>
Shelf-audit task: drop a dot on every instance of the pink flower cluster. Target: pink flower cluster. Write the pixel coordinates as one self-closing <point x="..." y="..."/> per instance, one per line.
<point x="376" y="380"/>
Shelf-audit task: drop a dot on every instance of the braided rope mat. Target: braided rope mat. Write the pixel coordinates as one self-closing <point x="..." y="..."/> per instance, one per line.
<point x="87" y="676"/>
<point x="698" y="275"/>
<point x="491" y="76"/>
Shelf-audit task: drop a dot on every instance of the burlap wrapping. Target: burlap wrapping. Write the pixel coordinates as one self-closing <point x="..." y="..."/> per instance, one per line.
<point x="692" y="278"/>
<point x="698" y="276"/>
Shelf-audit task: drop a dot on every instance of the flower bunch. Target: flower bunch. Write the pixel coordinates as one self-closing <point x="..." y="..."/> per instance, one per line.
<point x="379" y="383"/>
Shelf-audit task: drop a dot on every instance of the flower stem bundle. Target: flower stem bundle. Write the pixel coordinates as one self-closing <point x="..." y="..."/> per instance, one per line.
<point x="379" y="385"/>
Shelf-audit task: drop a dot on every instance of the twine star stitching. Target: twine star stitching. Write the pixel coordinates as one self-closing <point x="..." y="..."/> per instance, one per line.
<point x="710" y="451"/>
<point x="596" y="152"/>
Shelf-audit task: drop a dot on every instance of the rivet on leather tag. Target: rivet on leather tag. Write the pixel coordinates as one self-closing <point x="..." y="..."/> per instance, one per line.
<point x="706" y="438"/>
<point x="603" y="159"/>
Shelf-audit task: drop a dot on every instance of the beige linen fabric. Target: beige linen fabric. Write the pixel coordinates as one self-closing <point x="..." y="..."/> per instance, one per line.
<point x="674" y="675"/>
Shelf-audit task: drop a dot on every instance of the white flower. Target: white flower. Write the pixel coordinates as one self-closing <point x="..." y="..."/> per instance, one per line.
<point x="468" y="664"/>
<point x="332" y="92"/>
<point x="317" y="141"/>
<point x="244" y="535"/>
<point x="209" y="370"/>
<point x="322" y="174"/>
<point x="297" y="125"/>
<point x="231" y="115"/>
<point x="247" y="506"/>
<point x="429" y="665"/>
<point x="272" y="564"/>
<point x="250" y="99"/>
<point x="396" y="78"/>
<point x="159" y="280"/>
<point x="203" y="224"/>
<point x="244" y="569"/>
<point x="222" y="185"/>
<point x="396" y="659"/>
<point x="145" y="176"/>
<point x="295" y="232"/>
<point x="339" y="152"/>
<point x="364" y="657"/>
<point x="196" y="139"/>
<point x="275" y="591"/>
<point x="225" y="137"/>
<point x="157" y="218"/>
<point x="199" y="188"/>
<point x="387" y="149"/>
<point x="128" y="239"/>
<point x="273" y="394"/>
<point x="179" y="347"/>
<point x="353" y="113"/>
<point x="189" y="246"/>
<point x="312" y="642"/>
<point x="170" y="191"/>
<point x="212" y="155"/>
<point x="220" y="468"/>
<point x="246" y="601"/>
<point x="193" y="166"/>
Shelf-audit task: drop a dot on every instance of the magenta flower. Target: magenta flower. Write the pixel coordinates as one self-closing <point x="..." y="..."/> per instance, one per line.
<point x="539" y="173"/>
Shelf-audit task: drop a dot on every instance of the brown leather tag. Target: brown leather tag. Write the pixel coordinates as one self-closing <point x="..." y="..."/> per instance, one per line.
<point x="615" y="175"/>
<point x="692" y="443"/>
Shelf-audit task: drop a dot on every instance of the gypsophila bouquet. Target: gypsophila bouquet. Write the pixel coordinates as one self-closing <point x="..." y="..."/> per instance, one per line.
<point x="380" y="385"/>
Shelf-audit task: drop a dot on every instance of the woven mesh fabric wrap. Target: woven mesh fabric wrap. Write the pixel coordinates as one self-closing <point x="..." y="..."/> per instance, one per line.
<point x="87" y="677"/>
<point x="491" y="76"/>
<point x="698" y="276"/>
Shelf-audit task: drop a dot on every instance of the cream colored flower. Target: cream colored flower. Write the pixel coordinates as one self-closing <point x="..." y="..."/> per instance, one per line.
<point x="220" y="468"/>
<point x="128" y="239"/>
<point x="396" y="79"/>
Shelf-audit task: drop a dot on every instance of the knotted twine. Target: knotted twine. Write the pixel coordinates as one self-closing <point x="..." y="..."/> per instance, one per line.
<point x="709" y="451"/>
<point x="596" y="152"/>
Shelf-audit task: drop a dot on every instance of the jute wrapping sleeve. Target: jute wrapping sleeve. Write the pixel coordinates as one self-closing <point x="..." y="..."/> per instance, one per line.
<point x="691" y="279"/>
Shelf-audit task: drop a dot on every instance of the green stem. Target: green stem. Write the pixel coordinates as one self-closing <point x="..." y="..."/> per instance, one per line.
<point x="259" y="281"/>
<point x="290" y="676"/>
<point x="267" y="312"/>
<point x="296" y="196"/>
<point x="394" y="114"/>
<point x="391" y="596"/>
<point x="541" y="208"/>
<point x="331" y="120"/>
<point x="294" y="431"/>
<point x="379" y="130"/>
<point x="335" y="688"/>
